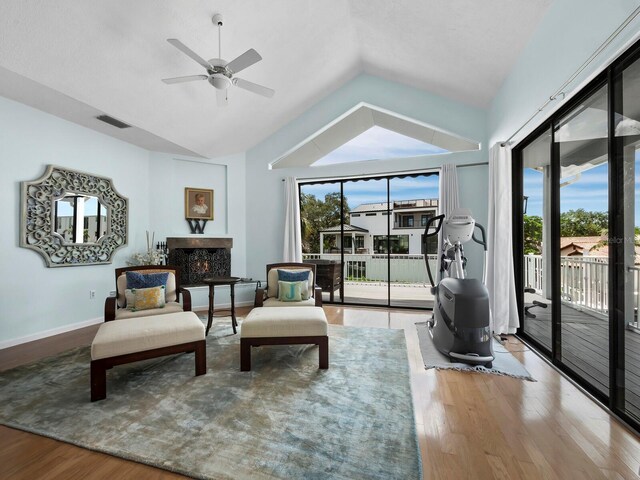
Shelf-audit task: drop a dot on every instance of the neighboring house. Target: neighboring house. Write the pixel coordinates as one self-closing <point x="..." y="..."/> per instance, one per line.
<point x="370" y="222"/>
<point x="583" y="246"/>
<point x="589" y="247"/>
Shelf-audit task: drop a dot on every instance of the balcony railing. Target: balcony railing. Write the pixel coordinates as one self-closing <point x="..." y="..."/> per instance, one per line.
<point x="368" y="267"/>
<point x="584" y="281"/>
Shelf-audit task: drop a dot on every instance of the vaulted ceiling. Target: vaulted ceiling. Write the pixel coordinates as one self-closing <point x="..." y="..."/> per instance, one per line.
<point x="80" y="58"/>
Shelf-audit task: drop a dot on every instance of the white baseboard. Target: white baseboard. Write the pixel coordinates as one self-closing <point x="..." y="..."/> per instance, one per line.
<point x="49" y="333"/>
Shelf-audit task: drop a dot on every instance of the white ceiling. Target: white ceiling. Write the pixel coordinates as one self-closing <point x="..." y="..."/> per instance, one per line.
<point x="109" y="56"/>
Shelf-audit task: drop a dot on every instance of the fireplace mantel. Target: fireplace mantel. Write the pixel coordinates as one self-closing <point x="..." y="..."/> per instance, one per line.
<point x="199" y="242"/>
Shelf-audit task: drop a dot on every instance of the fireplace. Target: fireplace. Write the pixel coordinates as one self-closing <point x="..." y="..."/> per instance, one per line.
<point x="199" y="258"/>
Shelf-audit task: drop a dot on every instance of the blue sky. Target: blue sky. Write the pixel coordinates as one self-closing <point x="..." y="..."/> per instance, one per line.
<point x="589" y="192"/>
<point x="378" y="143"/>
<point x="372" y="191"/>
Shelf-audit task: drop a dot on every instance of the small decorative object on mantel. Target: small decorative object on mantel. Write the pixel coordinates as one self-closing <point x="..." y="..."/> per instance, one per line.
<point x="150" y="257"/>
<point x="198" y="208"/>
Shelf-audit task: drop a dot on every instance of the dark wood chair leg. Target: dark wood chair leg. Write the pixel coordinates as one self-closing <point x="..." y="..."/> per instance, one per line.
<point x="234" y="323"/>
<point x="201" y="358"/>
<point x="98" y="381"/>
<point x="324" y="352"/>
<point x="245" y="355"/>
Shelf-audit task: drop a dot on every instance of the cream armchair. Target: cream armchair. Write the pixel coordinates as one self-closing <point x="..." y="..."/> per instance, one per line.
<point x="115" y="308"/>
<point x="268" y="297"/>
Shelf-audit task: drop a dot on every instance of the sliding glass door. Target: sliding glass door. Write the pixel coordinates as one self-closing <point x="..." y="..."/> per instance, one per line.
<point x="577" y="237"/>
<point x="581" y="141"/>
<point x="536" y="209"/>
<point x="371" y="231"/>
<point x="627" y="140"/>
<point x="367" y="262"/>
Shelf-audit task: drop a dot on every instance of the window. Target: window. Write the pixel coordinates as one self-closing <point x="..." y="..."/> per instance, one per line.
<point x="360" y="245"/>
<point x="424" y="218"/>
<point x="432" y="245"/>
<point x="576" y="182"/>
<point x="399" y="244"/>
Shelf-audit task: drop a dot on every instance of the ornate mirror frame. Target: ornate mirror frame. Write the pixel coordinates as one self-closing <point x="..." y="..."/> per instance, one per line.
<point x="37" y="219"/>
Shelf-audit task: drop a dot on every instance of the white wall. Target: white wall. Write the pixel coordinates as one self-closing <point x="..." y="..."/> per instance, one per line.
<point x="265" y="197"/>
<point x="34" y="298"/>
<point x="567" y="36"/>
<point x="37" y="301"/>
<point x="169" y="175"/>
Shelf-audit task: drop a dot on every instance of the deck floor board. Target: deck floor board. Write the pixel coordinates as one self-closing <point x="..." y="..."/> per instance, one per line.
<point x="585" y="349"/>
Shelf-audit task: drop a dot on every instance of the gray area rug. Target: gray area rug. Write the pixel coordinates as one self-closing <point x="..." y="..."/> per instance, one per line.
<point x="284" y="419"/>
<point x="504" y="364"/>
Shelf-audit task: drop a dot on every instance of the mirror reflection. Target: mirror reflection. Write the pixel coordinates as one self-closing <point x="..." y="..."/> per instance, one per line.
<point x="80" y="218"/>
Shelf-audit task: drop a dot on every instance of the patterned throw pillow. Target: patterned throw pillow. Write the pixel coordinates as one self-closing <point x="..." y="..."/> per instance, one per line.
<point x="289" y="291"/>
<point x="147" y="298"/>
<point x="146" y="280"/>
<point x="293" y="276"/>
<point x="130" y="295"/>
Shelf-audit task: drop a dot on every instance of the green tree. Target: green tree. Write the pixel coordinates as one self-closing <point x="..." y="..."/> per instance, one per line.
<point x="532" y="235"/>
<point x="317" y="215"/>
<point x="583" y="223"/>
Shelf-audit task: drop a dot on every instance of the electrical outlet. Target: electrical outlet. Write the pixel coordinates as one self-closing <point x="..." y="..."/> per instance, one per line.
<point x="92" y="294"/>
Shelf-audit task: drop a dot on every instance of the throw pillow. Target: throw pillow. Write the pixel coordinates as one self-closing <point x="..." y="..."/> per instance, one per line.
<point x="293" y="275"/>
<point x="304" y="292"/>
<point x="130" y="296"/>
<point x="148" y="298"/>
<point x="146" y="280"/>
<point x="289" y="291"/>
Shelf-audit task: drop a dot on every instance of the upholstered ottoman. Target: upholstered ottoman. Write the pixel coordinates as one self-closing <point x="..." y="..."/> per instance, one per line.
<point x="125" y="341"/>
<point x="283" y="326"/>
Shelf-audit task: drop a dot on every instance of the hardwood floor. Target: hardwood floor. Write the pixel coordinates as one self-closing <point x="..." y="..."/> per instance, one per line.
<point x="469" y="425"/>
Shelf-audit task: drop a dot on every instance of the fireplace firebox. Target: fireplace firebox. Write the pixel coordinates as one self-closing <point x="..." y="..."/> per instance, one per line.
<point x="199" y="258"/>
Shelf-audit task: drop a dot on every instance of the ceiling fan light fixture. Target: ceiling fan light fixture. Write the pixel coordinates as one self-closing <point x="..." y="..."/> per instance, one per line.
<point x="219" y="81"/>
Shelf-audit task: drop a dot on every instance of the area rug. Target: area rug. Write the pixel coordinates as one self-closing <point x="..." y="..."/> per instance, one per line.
<point x="504" y="364"/>
<point x="285" y="419"/>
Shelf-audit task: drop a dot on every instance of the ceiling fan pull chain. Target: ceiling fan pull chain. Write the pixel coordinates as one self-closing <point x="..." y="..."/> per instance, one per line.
<point x="219" y="43"/>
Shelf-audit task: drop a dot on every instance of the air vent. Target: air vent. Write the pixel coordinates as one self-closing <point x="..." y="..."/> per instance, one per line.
<point x="112" y="121"/>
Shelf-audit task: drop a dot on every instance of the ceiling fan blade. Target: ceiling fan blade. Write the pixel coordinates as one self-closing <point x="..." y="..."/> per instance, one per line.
<point x="254" y="87"/>
<point x="222" y="97"/>
<point x="245" y="60"/>
<point x="187" y="51"/>
<point x="189" y="78"/>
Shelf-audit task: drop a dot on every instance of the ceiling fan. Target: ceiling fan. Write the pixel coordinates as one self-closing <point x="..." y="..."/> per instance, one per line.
<point x="220" y="73"/>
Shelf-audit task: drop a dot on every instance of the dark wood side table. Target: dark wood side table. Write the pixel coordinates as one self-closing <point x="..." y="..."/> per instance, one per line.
<point x="213" y="282"/>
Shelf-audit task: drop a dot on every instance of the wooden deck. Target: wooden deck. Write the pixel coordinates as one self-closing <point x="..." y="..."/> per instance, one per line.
<point x="585" y="349"/>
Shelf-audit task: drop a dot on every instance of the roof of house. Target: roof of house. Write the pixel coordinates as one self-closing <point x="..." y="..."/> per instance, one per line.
<point x="382" y="206"/>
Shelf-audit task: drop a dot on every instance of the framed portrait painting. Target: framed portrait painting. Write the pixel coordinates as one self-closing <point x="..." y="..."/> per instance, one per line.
<point x="198" y="203"/>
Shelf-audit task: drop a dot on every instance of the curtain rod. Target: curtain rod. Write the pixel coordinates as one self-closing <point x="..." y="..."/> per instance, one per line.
<point x="374" y="175"/>
<point x="560" y="91"/>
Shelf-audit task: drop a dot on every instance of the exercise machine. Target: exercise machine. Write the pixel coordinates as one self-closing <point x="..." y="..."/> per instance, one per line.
<point x="460" y="324"/>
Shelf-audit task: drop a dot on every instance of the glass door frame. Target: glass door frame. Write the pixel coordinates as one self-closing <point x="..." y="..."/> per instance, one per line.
<point x="388" y="177"/>
<point x="611" y="77"/>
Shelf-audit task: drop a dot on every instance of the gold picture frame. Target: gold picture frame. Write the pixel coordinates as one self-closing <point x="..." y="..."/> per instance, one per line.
<point x="198" y="203"/>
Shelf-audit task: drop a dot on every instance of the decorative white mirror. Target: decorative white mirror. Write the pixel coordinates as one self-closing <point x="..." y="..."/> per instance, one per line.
<point x="73" y="218"/>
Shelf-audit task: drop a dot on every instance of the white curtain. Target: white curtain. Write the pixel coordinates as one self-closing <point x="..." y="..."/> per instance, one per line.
<point x="448" y="186"/>
<point x="500" y="277"/>
<point x="292" y="234"/>
<point x="448" y="189"/>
